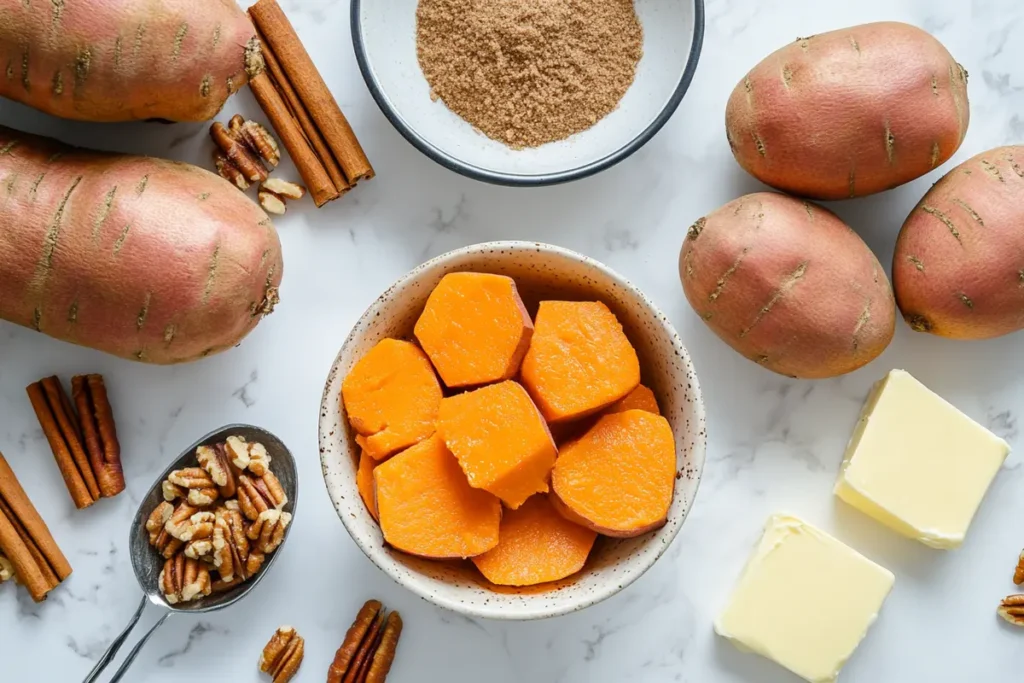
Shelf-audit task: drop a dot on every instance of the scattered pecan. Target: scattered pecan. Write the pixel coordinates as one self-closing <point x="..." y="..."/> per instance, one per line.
<point x="257" y="138"/>
<point x="238" y="153"/>
<point x="271" y="202"/>
<point x="284" y="188"/>
<point x="202" y="490"/>
<point x="1018" y="574"/>
<point x="282" y="656"/>
<point x="6" y="569"/>
<point x="183" y="579"/>
<point x="1012" y="609"/>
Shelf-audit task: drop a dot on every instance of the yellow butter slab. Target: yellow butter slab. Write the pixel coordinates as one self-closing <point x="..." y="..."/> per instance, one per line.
<point x="805" y="600"/>
<point x="917" y="464"/>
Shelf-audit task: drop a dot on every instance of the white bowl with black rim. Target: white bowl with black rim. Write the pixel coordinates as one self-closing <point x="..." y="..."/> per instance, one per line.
<point x="384" y="37"/>
<point x="541" y="271"/>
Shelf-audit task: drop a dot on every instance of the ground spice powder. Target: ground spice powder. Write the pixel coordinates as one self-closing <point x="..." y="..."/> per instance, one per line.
<point x="528" y="72"/>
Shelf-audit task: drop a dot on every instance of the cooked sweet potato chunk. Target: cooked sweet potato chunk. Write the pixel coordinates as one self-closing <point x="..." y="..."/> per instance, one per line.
<point x="500" y="439"/>
<point x="579" y="360"/>
<point x="619" y="477"/>
<point x="427" y="508"/>
<point x="475" y="329"/>
<point x="391" y="396"/>
<point x="535" y="545"/>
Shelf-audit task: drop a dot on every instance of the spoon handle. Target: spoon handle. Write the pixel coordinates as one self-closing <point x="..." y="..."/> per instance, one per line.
<point x="137" y="649"/>
<point x="111" y="652"/>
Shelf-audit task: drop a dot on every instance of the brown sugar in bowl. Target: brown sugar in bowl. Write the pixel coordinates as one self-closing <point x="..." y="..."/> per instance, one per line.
<point x="541" y="271"/>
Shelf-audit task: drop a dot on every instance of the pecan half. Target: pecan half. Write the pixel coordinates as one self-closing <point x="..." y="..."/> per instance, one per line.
<point x="267" y="532"/>
<point x="189" y="527"/>
<point x="6" y="569"/>
<point x="214" y="460"/>
<point x="259" y="494"/>
<point x="239" y="153"/>
<point x="202" y="490"/>
<point x="282" y="656"/>
<point x="156" y="526"/>
<point x="172" y="492"/>
<point x="230" y="543"/>
<point x="1018" y="574"/>
<point x="248" y="456"/>
<point x="1012" y="609"/>
<point x="183" y="579"/>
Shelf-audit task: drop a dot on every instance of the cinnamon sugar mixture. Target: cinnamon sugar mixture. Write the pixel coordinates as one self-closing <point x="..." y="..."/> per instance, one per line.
<point x="528" y="72"/>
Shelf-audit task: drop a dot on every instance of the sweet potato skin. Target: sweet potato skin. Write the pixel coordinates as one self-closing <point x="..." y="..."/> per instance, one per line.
<point x="850" y="112"/>
<point x="124" y="60"/>
<point x="146" y="259"/>
<point x="787" y="284"/>
<point x="957" y="269"/>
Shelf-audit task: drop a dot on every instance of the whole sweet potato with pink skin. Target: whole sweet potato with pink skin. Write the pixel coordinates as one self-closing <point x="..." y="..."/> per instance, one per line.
<point x="787" y="284"/>
<point x="147" y="259"/>
<point x="850" y="112"/>
<point x="122" y="60"/>
<point x="958" y="268"/>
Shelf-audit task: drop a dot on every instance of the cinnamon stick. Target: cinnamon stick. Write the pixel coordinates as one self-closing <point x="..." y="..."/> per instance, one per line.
<point x="298" y="110"/>
<point x="271" y="22"/>
<point x="319" y="184"/>
<point x="65" y="444"/>
<point x="25" y="567"/>
<point x="18" y="501"/>
<point x="98" y="431"/>
<point x="26" y="541"/>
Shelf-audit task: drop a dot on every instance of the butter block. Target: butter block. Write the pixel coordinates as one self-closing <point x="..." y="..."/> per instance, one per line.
<point x="917" y="464"/>
<point x="805" y="600"/>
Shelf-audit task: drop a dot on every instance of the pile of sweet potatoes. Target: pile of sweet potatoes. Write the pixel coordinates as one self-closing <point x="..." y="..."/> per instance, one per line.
<point x="840" y="115"/>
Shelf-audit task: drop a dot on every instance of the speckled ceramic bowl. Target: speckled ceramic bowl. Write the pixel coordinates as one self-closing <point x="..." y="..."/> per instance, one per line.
<point x="541" y="272"/>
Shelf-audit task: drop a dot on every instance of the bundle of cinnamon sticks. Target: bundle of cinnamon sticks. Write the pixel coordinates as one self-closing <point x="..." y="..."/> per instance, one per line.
<point x="302" y="110"/>
<point x="82" y="436"/>
<point x="25" y="540"/>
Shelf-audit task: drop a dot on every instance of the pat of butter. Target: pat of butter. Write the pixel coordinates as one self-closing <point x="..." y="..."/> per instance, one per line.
<point x="917" y="464"/>
<point x="805" y="600"/>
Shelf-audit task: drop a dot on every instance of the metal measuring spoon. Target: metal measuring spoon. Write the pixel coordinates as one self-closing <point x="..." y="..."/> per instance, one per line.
<point x="148" y="563"/>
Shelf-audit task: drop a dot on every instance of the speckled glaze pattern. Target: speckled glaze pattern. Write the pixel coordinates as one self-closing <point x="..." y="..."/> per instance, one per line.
<point x="541" y="271"/>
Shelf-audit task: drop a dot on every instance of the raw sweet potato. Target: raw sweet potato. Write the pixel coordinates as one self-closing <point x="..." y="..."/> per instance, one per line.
<point x="364" y="482"/>
<point x="500" y="440"/>
<point x="475" y="329"/>
<point x="535" y="545"/>
<point x="579" y="360"/>
<point x="391" y="397"/>
<point x="427" y="508"/>
<point x="122" y="60"/>
<point x="849" y="112"/>
<point x="146" y="259"/>
<point x="788" y="285"/>
<point x="619" y="477"/>
<point x="957" y="269"/>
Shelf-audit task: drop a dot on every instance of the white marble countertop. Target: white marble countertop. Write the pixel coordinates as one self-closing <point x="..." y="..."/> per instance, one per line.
<point x="774" y="444"/>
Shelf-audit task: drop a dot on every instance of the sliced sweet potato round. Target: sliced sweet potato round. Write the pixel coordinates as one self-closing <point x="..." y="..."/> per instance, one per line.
<point x="535" y="545"/>
<point x="500" y="440"/>
<point x="579" y="360"/>
<point x="475" y="329"/>
<point x="391" y="396"/>
<point x="619" y="477"/>
<point x="427" y="508"/>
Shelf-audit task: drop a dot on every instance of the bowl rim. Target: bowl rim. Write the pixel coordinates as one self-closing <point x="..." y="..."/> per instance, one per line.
<point x="518" y="179"/>
<point x="488" y="611"/>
